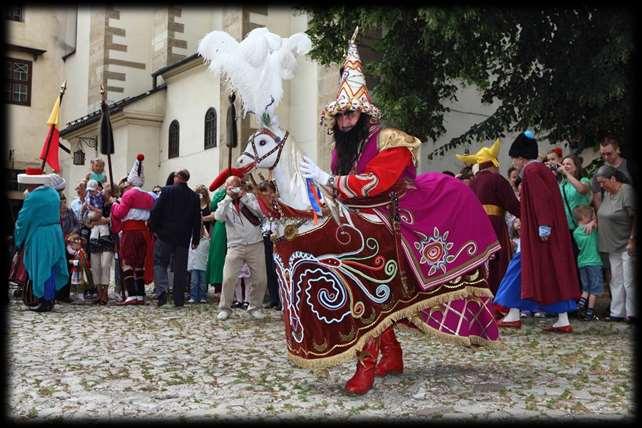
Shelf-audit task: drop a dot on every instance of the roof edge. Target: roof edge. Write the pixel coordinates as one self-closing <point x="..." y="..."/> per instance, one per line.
<point x="113" y="108"/>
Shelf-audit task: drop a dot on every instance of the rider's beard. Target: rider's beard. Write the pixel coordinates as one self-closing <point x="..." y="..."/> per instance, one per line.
<point x="349" y="144"/>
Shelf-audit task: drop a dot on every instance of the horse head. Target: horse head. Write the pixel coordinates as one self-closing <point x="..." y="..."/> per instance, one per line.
<point x="275" y="150"/>
<point x="264" y="148"/>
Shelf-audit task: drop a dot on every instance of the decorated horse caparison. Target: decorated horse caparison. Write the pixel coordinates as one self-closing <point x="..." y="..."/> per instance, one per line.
<point x="347" y="273"/>
<point x="348" y="268"/>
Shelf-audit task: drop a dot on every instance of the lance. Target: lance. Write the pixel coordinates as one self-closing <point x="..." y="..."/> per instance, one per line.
<point x="63" y="87"/>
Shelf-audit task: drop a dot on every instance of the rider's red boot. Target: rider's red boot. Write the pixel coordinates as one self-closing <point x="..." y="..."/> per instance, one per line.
<point x="363" y="379"/>
<point x="391" y="361"/>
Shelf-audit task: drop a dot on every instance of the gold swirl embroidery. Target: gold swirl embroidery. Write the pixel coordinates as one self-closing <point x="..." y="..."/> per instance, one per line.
<point x="348" y="337"/>
<point x="358" y="309"/>
<point x="370" y="319"/>
<point x="322" y="347"/>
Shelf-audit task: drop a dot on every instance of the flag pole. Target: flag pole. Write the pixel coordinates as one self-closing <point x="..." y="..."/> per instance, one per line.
<point x="104" y="106"/>
<point x="63" y="87"/>
<point x="103" y="148"/>
<point x="231" y="129"/>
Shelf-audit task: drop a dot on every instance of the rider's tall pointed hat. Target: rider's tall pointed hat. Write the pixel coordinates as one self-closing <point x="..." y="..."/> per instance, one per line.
<point x="353" y="92"/>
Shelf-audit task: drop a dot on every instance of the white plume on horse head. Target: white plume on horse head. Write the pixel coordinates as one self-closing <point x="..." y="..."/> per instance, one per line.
<point x="255" y="67"/>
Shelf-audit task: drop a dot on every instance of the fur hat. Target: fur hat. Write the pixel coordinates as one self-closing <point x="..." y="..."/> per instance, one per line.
<point x="525" y="146"/>
<point x="353" y="92"/>
<point x="136" y="177"/>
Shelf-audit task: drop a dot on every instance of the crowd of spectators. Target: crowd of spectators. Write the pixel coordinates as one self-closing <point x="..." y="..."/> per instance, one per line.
<point x="221" y="242"/>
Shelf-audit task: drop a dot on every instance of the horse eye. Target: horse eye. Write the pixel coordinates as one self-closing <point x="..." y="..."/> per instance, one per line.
<point x="262" y="142"/>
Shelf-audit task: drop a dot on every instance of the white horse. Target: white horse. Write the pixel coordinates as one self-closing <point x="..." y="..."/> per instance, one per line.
<point x="275" y="150"/>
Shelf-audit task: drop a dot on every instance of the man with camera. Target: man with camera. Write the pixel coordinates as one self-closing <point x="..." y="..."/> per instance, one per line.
<point x="241" y="214"/>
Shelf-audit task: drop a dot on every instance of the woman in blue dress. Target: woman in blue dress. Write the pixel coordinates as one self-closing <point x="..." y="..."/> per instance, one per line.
<point x="39" y="233"/>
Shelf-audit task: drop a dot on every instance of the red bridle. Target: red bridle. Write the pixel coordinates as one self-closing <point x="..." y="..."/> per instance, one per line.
<point x="279" y="146"/>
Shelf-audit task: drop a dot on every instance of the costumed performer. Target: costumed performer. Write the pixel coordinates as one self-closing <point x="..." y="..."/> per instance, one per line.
<point x="549" y="280"/>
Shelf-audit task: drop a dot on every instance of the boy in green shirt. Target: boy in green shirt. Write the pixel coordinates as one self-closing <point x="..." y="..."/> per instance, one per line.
<point x="589" y="261"/>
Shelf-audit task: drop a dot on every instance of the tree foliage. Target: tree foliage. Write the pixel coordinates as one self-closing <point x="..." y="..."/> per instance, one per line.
<point x="565" y="73"/>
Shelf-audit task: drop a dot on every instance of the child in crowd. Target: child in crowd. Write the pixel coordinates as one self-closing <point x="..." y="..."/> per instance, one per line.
<point x="77" y="266"/>
<point x="93" y="209"/>
<point x="196" y="266"/>
<point x="514" y="235"/>
<point x="513" y="231"/>
<point x="240" y="292"/>
<point x="97" y="172"/>
<point x="588" y="261"/>
<point x="94" y="202"/>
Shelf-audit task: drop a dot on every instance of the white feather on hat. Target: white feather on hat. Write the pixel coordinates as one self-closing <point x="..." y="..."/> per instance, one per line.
<point x="136" y="176"/>
<point x="255" y="67"/>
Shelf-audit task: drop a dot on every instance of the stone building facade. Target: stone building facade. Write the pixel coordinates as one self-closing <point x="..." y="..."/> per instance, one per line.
<point x="156" y="85"/>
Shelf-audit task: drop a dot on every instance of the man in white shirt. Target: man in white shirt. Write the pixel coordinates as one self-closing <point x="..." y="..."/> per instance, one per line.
<point x="241" y="214"/>
<point x="77" y="202"/>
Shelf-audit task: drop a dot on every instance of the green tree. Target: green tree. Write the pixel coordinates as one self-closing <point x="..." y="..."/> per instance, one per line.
<point x="566" y="73"/>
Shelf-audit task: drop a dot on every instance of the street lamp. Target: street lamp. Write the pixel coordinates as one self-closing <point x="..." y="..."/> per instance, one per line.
<point x="79" y="155"/>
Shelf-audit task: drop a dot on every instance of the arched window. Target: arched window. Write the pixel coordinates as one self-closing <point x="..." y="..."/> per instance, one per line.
<point x="210" y="128"/>
<point x="173" y="140"/>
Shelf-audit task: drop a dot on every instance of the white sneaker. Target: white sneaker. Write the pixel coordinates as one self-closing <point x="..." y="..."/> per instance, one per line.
<point x="257" y="314"/>
<point x="203" y="300"/>
<point x="223" y="315"/>
<point x="191" y="301"/>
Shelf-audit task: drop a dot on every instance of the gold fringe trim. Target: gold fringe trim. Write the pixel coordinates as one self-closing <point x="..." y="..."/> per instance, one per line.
<point x="410" y="312"/>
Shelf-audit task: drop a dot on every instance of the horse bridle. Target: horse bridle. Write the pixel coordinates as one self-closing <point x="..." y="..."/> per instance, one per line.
<point x="279" y="146"/>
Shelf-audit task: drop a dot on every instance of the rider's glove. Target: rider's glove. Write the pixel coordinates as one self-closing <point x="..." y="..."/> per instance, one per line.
<point x="310" y="170"/>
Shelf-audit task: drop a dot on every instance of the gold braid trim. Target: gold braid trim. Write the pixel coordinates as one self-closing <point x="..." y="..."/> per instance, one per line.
<point x="410" y="313"/>
<point x="469" y="341"/>
<point x="390" y="138"/>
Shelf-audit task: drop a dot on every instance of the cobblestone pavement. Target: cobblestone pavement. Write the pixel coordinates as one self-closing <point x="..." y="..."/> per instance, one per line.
<point x="142" y="362"/>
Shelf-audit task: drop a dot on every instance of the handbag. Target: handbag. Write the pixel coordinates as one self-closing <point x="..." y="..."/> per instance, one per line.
<point x="17" y="272"/>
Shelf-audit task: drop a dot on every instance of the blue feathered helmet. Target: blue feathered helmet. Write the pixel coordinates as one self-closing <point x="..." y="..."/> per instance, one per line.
<point x="524" y="146"/>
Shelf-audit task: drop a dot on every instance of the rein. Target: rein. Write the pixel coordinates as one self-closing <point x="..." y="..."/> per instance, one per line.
<point x="280" y="143"/>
